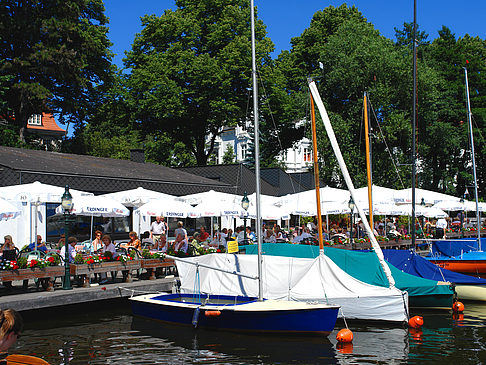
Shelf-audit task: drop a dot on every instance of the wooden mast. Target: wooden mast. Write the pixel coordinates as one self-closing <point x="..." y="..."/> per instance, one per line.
<point x="368" y="162"/>
<point x="316" y="175"/>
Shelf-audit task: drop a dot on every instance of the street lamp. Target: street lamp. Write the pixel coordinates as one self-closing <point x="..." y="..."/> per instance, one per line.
<point x="245" y="203"/>
<point x="67" y="205"/>
<point x="422" y="204"/>
<point x="351" y="206"/>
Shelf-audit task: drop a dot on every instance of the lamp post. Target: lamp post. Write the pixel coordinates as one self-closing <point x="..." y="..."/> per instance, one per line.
<point x="422" y="204"/>
<point x="351" y="206"/>
<point x="67" y="205"/>
<point x="245" y="203"/>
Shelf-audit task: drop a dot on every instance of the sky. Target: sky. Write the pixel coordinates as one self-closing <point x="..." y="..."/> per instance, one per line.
<point x="286" y="19"/>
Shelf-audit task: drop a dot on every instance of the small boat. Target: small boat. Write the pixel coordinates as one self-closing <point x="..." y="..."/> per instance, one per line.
<point x="462" y="256"/>
<point x="467" y="287"/>
<point x="238" y="313"/>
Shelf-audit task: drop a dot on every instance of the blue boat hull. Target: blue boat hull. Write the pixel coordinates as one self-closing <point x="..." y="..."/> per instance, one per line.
<point x="231" y="318"/>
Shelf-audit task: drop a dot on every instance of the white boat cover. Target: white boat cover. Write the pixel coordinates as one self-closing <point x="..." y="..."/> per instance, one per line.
<point x="299" y="279"/>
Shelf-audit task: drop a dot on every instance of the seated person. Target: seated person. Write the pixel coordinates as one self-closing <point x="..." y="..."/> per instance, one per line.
<point x="41" y="246"/>
<point x="250" y="235"/>
<point x="97" y="244"/>
<point x="269" y="236"/>
<point x="161" y="244"/>
<point x="203" y="235"/>
<point x="305" y="234"/>
<point x="8" y="249"/>
<point x="71" y="251"/>
<point x="7" y="244"/>
<point x="279" y="236"/>
<point x="62" y="240"/>
<point x="134" y="241"/>
<point x="108" y="246"/>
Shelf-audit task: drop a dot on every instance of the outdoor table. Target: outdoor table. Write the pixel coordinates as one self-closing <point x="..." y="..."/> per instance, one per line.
<point x="86" y="270"/>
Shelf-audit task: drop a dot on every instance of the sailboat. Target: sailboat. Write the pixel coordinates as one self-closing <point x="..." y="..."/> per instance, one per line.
<point x="238" y="313"/>
<point x="458" y="256"/>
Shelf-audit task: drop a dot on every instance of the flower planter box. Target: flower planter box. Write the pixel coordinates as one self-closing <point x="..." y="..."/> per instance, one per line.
<point x="48" y="273"/>
<point x="151" y="264"/>
<point x="85" y="270"/>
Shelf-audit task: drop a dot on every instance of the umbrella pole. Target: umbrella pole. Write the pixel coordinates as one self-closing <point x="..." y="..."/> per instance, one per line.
<point x="91" y="230"/>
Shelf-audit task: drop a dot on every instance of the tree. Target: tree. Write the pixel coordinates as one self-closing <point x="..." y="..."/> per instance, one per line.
<point x="191" y="71"/>
<point x="57" y="52"/>
<point x="229" y="155"/>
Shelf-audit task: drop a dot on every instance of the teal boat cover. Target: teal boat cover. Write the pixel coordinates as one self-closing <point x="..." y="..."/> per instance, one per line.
<point x="363" y="266"/>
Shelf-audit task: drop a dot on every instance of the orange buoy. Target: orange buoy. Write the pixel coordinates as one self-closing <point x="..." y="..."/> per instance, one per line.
<point x="344" y="347"/>
<point x="344" y="335"/>
<point x="458" y="307"/>
<point x="416" y="322"/>
<point x="212" y="313"/>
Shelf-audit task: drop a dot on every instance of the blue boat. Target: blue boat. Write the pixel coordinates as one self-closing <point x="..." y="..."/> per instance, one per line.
<point x="241" y="314"/>
<point x="467" y="287"/>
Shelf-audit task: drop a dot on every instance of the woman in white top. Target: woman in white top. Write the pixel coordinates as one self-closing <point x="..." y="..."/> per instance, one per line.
<point x="97" y="244"/>
<point x="109" y="246"/>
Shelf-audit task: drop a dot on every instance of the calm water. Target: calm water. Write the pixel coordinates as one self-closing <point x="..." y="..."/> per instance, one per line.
<point x="90" y="336"/>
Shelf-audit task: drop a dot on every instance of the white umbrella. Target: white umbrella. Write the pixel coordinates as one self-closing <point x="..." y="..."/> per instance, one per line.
<point x="96" y="206"/>
<point x="429" y="212"/>
<point x="270" y="212"/>
<point x="8" y="210"/>
<point x="137" y="197"/>
<point x="210" y="196"/>
<point x="467" y="206"/>
<point x="217" y="209"/>
<point x="166" y="208"/>
<point x="404" y="196"/>
<point x="38" y="192"/>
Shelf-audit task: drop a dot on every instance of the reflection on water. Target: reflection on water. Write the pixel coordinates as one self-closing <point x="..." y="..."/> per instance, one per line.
<point x="114" y="337"/>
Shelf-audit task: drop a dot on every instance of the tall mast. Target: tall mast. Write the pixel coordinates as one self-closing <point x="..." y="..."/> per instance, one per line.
<point x="368" y="160"/>
<point x="469" y="119"/>
<point x="414" y="118"/>
<point x="316" y="175"/>
<point x="349" y="182"/>
<point x="257" y="152"/>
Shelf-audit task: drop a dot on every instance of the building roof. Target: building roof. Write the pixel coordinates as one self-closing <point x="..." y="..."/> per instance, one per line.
<point x="97" y="174"/>
<point x="284" y="182"/>
<point x="48" y="127"/>
<point x="239" y="176"/>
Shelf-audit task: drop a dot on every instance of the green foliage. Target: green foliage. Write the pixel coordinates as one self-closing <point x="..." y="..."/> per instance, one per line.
<point x="190" y="71"/>
<point x="57" y="52"/>
<point x="229" y="155"/>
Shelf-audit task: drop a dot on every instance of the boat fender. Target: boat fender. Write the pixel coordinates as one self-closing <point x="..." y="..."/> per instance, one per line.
<point x="416" y="322"/>
<point x="195" y="317"/>
<point x="212" y="313"/>
<point x="458" y="307"/>
<point x="345" y="335"/>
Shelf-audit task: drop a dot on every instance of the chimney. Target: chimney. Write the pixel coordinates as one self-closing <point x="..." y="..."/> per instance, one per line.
<point x="137" y="155"/>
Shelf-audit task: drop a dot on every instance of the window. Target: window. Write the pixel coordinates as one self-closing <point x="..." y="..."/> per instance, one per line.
<point x="307" y="155"/>
<point x="243" y="151"/>
<point x="35" y="119"/>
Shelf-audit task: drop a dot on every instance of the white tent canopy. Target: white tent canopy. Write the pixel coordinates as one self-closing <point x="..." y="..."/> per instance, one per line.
<point x="299" y="279"/>
<point x="137" y="197"/>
